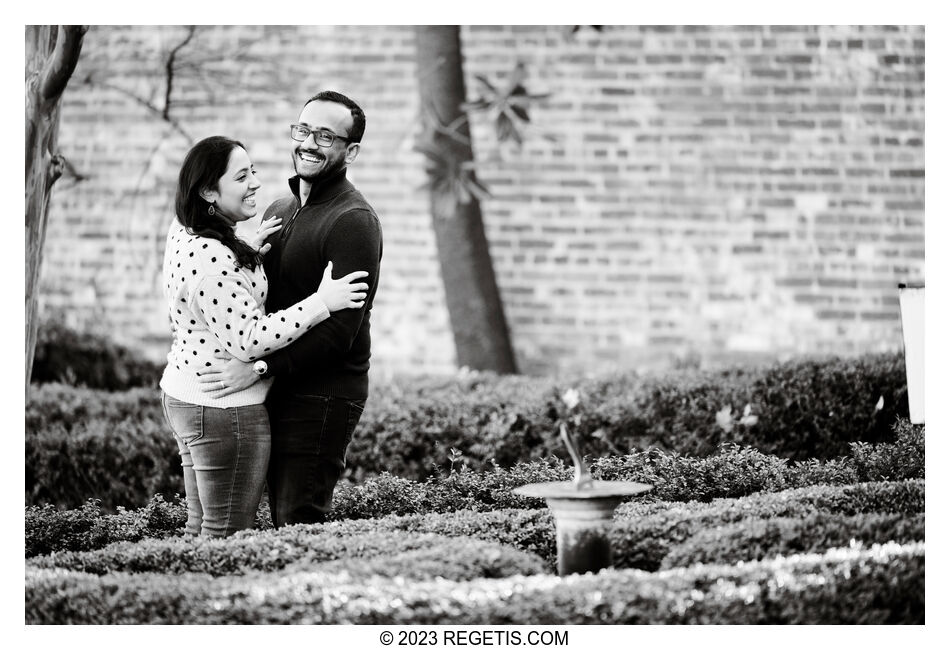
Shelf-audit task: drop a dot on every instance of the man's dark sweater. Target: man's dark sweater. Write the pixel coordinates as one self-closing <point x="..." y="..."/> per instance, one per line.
<point x="338" y="225"/>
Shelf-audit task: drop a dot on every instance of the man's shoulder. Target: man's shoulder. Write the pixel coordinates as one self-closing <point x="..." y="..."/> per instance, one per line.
<point x="357" y="216"/>
<point x="281" y="206"/>
<point x="354" y="204"/>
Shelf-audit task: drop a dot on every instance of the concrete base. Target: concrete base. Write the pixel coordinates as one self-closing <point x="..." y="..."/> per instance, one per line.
<point x="582" y="529"/>
<point x="582" y="517"/>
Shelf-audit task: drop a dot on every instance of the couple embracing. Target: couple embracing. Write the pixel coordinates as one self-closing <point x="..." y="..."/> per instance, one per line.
<point x="267" y="374"/>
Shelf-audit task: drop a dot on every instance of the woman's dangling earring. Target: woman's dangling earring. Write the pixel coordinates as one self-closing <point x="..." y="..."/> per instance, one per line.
<point x="211" y="210"/>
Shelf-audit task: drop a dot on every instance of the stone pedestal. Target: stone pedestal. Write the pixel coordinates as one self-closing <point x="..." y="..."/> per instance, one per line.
<point x="582" y="515"/>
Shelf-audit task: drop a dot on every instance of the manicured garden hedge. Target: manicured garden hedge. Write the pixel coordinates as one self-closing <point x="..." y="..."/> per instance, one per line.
<point x="731" y="473"/>
<point x="85" y="359"/>
<point x="84" y="443"/>
<point x="302" y="547"/>
<point x="882" y="584"/>
<point x="810" y="408"/>
<point x="749" y="467"/>
<point x="642" y="535"/>
<point x="760" y="537"/>
<point x="645" y="534"/>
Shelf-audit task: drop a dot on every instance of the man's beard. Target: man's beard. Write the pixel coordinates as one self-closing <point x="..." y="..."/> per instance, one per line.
<point x="329" y="168"/>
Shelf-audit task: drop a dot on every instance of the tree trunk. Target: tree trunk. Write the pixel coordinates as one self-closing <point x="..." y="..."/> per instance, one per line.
<point x="475" y="309"/>
<point x="51" y="56"/>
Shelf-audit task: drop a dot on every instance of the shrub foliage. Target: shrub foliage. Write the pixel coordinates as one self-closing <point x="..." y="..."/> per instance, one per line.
<point x="881" y="584"/>
<point x="798" y="410"/>
<point x="85" y="359"/>
<point x="642" y="536"/>
<point x="302" y="547"/>
<point x="733" y="472"/>
<point x="757" y="538"/>
<point x="790" y="469"/>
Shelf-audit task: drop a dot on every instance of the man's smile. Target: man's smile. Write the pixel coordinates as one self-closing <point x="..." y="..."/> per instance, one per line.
<point x="311" y="157"/>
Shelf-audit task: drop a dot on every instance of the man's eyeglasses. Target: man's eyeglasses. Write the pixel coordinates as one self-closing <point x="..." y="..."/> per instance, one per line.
<point x="300" y="133"/>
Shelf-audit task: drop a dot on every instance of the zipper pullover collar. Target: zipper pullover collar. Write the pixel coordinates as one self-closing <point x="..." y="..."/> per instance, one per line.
<point x="323" y="190"/>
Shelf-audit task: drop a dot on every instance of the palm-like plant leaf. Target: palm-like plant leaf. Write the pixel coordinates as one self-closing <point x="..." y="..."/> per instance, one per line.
<point x="449" y="180"/>
<point x="596" y="28"/>
<point x="507" y="104"/>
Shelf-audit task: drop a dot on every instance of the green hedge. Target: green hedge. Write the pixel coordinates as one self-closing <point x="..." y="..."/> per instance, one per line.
<point x="641" y="537"/>
<point x="644" y="534"/>
<point x="302" y="547"/>
<point x="114" y="457"/>
<point x="757" y="538"/>
<point x="903" y="459"/>
<point x="844" y="586"/>
<point x="85" y="359"/>
<point x="87" y="528"/>
<point x="811" y="408"/>
<point x="731" y="473"/>
<point x="797" y="410"/>
<point x="83" y="443"/>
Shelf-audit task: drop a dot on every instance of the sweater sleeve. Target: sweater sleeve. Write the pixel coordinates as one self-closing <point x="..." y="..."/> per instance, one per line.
<point x="235" y="319"/>
<point x="353" y="244"/>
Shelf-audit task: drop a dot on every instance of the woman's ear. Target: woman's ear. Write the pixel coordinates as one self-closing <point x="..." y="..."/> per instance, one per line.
<point x="209" y="195"/>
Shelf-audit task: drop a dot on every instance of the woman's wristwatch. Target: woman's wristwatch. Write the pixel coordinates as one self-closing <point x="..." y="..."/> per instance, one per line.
<point x="260" y="367"/>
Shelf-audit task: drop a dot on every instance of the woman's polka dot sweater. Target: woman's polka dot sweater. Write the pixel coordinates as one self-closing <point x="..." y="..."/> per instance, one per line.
<point x="218" y="307"/>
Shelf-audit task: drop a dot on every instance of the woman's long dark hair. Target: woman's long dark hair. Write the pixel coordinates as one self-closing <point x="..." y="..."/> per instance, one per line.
<point x="204" y="165"/>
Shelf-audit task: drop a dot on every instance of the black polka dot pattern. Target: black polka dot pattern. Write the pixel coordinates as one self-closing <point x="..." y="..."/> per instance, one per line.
<point x="223" y="306"/>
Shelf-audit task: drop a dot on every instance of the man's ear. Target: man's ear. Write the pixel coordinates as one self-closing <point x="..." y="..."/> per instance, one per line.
<point x="352" y="152"/>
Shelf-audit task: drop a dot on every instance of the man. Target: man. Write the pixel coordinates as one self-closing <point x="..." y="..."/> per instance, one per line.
<point x="321" y="380"/>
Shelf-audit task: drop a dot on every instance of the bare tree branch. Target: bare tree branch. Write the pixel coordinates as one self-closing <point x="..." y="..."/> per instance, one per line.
<point x="56" y="166"/>
<point x="148" y="164"/>
<point x="152" y="108"/>
<point x="196" y="62"/>
<point x="70" y="173"/>
<point x="164" y="112"/>
<point x="59" y="68"/>
<point x="170" y="71"/>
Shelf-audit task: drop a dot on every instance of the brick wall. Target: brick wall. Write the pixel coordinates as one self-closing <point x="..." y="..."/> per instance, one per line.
<point x="693" y="193"/>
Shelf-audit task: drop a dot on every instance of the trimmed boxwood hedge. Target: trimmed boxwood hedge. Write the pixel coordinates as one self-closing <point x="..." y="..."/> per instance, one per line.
<point x="757" y="538"/>
<point x="86" y="359"/>
<point x="301" y="547"/>
<point x="642" y="535"/>
<point x="808" y="407"/>
<point x="732" y="472"/>
<point x="883" y="584"/>
<point x="84" y="443"/>
<point x="87" y="528"/>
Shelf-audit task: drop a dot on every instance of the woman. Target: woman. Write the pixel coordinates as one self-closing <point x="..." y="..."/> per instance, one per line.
<point x="216" y="288"/>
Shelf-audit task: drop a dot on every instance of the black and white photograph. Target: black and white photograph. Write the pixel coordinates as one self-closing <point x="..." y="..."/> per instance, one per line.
<point x="476" y="335"/>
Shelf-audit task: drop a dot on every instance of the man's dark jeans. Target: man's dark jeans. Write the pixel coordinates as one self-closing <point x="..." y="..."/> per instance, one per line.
<point x="309" y="437"/>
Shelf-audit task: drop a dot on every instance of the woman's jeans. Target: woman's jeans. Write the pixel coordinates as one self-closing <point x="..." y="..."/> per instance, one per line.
<point x="224" y="454"/>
